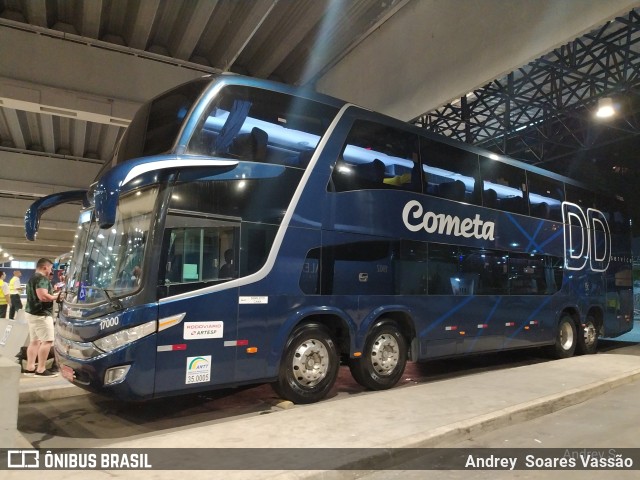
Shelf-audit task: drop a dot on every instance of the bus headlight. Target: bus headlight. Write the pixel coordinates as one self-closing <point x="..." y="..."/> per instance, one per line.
<point x="79" y="350"/>
<point x="124" y="337"/>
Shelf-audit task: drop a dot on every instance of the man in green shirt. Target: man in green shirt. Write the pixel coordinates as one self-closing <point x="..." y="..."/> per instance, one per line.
<point x="39" y="314"/>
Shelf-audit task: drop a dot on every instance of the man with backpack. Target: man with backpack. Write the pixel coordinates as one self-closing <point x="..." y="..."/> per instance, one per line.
<point x="39" y="315"/>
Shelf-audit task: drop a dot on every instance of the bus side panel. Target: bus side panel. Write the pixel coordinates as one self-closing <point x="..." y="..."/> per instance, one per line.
<point x="441" y="323"/>
<point x="447" y="325"/>
<point x="473" y="324"/>
<point x="618" y="318"/>
<point x="192" y="354"/>
<point x="619" y="290"/>
<point x="529" y="320"/>
<point x="255" y="314"/>
<point x="385" y="213"/>
<point x="271" y="308"/>
<point x="481" y="324"/>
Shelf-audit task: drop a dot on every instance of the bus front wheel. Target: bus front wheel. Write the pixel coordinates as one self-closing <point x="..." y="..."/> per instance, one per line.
<point x="566" y="338"/>
<point x="588" y="337"/>
<point x="383" y="360"/>
<point x="309" y="367"/>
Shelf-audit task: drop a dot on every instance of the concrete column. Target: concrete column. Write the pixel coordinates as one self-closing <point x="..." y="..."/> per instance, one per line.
<point x="9" y="396"/>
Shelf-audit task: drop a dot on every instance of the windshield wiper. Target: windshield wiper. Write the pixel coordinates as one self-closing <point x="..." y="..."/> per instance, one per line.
<point x="114" y="301"/>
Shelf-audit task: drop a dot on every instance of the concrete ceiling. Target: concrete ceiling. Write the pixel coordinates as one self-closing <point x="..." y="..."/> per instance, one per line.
<point x="72" y="72"/>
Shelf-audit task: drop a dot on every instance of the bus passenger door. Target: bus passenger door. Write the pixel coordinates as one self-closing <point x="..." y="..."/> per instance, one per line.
<point x="195" y="326"/>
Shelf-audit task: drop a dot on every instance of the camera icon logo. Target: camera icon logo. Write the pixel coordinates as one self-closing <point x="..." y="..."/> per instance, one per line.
<point x="23" y="459"/>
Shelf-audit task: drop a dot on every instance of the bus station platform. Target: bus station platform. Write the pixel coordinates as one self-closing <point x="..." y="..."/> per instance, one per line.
<point x="377" y="424"/>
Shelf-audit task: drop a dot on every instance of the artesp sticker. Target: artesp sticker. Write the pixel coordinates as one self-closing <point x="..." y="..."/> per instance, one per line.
<point x="200" y="330"/>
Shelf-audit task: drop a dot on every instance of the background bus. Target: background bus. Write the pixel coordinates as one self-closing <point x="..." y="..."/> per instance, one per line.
<point x="247" y="231"/>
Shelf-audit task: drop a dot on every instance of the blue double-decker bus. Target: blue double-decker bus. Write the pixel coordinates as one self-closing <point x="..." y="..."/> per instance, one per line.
<point x="248" y="232"/>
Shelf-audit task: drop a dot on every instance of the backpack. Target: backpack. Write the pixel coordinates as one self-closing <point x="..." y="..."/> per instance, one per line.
<point x="21" y="359"/>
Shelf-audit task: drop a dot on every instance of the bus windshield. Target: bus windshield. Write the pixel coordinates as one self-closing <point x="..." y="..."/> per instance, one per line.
<point x="108" y="262"/>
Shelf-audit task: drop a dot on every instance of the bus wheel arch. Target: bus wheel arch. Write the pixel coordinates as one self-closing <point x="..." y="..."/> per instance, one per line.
<point x="309" y="365"/>
<point x="384" y="356"/>
<point x="588" y="332"/>
<point x="566" y="337"/>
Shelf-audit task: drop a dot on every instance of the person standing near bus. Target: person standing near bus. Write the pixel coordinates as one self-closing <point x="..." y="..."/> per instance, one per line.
<point x="15" y="288"/>
<point x="4" y="295"/>
<point x="39" y="314"/>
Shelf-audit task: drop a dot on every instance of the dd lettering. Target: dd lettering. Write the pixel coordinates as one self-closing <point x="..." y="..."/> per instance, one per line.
<point x="587" y="238"/>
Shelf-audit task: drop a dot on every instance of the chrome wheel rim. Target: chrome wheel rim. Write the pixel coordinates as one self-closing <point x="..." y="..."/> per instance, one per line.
<point x="566" y="336"/>
<point x="310" y="362"/>
<point x="590" y="334"/>
<point x="385" y="354"/>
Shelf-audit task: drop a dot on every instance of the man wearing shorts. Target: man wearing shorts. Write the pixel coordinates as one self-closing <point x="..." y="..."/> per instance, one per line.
<point x="39" y="314"/>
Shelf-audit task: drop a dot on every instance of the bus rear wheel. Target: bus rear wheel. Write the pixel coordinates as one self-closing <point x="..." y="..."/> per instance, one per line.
<point x="588" y="337"/>
<point x="309" y="367"/>
<point x="383" y="360"/>
<point x="566" y="338"/>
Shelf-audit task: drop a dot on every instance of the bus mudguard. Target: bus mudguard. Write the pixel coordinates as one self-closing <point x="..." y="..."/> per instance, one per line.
<point x="300" y="317"/>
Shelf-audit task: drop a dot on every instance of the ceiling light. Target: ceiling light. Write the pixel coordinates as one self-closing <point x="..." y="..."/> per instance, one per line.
<point x="605" y="108"/>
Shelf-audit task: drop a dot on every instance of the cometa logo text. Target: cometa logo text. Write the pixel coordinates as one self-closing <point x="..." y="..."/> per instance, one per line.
<point x="445" y="224"/>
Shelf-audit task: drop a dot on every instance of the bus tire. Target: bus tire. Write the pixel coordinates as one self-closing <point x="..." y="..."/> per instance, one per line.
<point x="309" y="367"/>
<point x="588" y="337"/>
<point x="383" y="360"/>
<point x="566" y="338"/>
